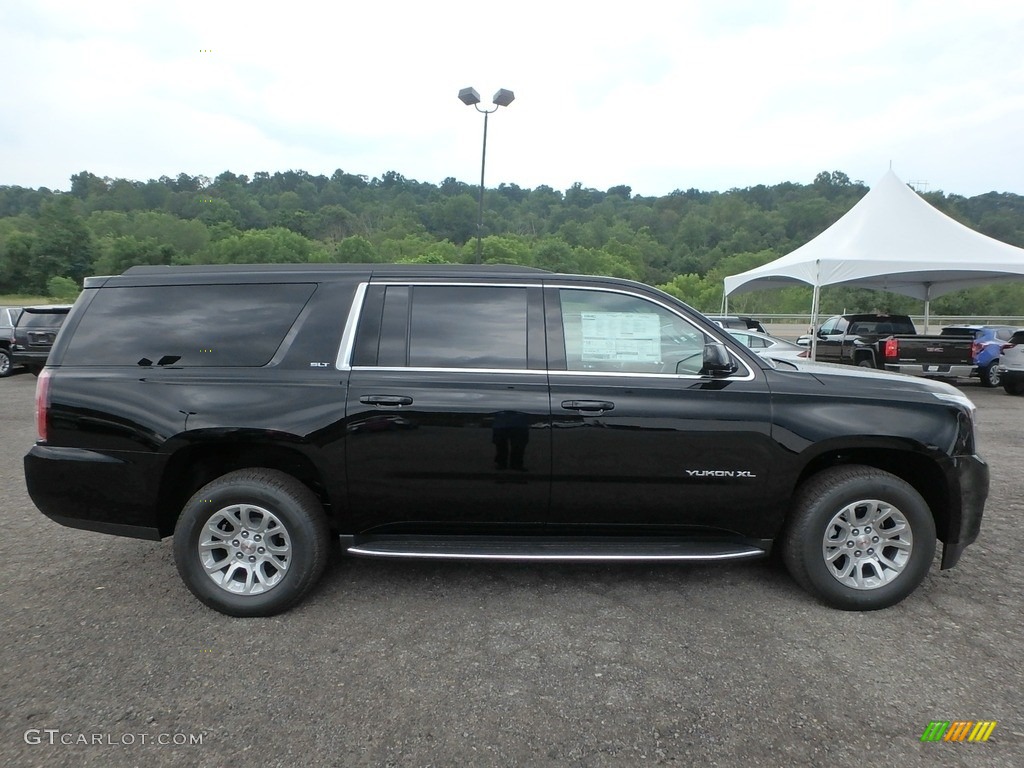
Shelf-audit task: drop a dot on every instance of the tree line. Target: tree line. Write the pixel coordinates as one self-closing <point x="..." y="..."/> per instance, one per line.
<point x="685" y="242"/>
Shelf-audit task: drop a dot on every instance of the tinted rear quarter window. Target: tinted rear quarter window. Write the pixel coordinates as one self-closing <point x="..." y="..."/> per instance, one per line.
<point x="196" y="325"/>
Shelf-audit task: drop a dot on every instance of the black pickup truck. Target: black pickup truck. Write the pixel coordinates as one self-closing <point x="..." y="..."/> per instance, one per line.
<point x="891" y="342"/>
<point x="261" y="413"/>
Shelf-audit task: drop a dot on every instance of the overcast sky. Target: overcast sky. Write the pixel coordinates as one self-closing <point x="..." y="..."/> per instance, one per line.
<point x="658" y="95"/>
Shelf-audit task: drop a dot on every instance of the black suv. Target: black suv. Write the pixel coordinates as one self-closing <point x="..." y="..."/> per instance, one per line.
<point x="34" y="332"/>
<point x="257" y="412"/>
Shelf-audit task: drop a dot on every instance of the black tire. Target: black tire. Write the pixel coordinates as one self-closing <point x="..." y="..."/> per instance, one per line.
<point x="866" y="362"/>
<point x="989" y="375"/>
<point x="1014" y="387"/>
<point x="250" y="508"/>
<point x="6" y="366"/>
<point x="816" y="549"/>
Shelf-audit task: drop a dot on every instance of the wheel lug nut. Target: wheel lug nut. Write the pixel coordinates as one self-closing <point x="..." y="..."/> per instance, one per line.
<point x="867" y="529"/>
<point x="849" y="544"/>
<point x="261" y="550"/>
<point x="252" y="559"/>
<point x="234" y="543"/>
<point x="871" y="551"/>
<point x="257" y="537"/>
<point x="240" y="555"/>
<point x="245" y="534"/>
<point x="874" y="539"/>
<point x="855" y="532"/>
<point x="857" y="553"/>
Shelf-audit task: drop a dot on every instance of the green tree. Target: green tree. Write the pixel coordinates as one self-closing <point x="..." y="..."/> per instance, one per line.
<point x="63" y="245"/>
<point x="116" y="254"/>
<point x="63" y="289"/>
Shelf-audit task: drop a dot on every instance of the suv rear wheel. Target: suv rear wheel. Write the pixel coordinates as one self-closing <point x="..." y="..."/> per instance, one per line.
<point x="859" y="539"/>
<point x="252" y="542"/>
<point x="6" y="368"/>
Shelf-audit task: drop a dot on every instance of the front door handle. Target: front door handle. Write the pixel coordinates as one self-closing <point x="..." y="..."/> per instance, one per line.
<point x="386" y="400"/>
<point x="588" y="406"/>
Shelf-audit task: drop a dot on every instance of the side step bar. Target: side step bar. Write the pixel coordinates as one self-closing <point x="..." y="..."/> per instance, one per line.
<point x="564" y="549"/>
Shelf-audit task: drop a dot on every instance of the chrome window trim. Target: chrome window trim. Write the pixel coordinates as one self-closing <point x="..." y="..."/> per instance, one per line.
<point x="426" y="369"/>
<point x="348" y="337"/>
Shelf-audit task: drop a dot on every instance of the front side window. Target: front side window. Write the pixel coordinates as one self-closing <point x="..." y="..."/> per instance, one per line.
<point x="606" y="331"/>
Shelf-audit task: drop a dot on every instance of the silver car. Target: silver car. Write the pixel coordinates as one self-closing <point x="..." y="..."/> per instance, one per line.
<point x="8" y="319"/>
<point x="770" y="346"/>
<point x="1011" y="364"/>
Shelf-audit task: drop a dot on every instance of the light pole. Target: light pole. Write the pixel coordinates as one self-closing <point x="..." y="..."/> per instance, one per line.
<point x="502" y="98"/>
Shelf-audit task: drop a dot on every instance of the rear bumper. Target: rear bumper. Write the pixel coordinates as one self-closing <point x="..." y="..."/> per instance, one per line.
<point x="29" y="356"/>
<point x="938" y="371"/>
<point x="971" y="479"/>
<point x="92" y="491"/>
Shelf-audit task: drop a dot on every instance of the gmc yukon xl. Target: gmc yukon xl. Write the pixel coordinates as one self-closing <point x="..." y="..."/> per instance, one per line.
<point x="261" y="414"/>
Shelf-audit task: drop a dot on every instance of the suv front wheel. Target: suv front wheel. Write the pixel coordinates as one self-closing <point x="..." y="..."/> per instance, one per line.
<point x="252" y="542"/>
<point x="859" y="538"/>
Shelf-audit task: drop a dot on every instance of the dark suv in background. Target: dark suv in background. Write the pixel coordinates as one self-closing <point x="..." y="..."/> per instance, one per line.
<point x="259" y="413"/>
<point x="34" y="333"/>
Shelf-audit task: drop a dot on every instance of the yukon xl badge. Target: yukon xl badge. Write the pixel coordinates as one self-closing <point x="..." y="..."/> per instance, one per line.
<point x="719" y="473"/>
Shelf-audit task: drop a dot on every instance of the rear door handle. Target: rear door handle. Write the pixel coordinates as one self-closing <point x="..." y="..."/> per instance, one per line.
<point x="391" y="400"/>
<point x="588" y="406"/>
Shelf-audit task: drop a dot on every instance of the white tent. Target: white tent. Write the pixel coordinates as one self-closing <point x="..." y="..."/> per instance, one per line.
<point x="894" y="241"/>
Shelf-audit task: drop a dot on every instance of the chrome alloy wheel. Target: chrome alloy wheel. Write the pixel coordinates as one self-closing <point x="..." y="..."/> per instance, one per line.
<point x="867" y="544"/>
<point x="245" y="549"/>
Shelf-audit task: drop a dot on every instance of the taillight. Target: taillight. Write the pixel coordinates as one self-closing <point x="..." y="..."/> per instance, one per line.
<point x="976" y="347"/>
<point x="1006" y="347"/>
<point x="42" y="403"/>
<point x="805" y="353"/>
<point x="892" y="348"/>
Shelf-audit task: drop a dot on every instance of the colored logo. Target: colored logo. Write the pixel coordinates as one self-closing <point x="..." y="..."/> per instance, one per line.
<point x="958" y="730"/>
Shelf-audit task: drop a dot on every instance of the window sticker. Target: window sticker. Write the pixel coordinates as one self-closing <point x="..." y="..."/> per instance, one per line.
<point x="621" y="337"/>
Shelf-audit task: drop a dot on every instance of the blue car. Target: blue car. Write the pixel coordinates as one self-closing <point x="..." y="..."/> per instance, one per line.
<point x="988" y="340"/>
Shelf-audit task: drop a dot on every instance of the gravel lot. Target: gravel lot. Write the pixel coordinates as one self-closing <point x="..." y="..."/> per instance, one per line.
<point x="501" y="665"/>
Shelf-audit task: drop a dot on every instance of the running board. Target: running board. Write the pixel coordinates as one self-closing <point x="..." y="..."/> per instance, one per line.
<point x="531" y="548"/>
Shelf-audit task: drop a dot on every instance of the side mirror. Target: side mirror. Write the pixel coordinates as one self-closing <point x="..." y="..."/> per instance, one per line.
<point x="717" y="361"/>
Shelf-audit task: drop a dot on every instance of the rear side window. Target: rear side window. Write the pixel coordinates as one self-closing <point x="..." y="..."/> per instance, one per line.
<point x="467" y="327"/>
<point x="31" y="319"/>
<point x="187" y="325"/>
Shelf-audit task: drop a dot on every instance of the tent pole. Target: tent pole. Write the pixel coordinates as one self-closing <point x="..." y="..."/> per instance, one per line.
<point x="927" y="306"/>
<point x="815" y="297"/>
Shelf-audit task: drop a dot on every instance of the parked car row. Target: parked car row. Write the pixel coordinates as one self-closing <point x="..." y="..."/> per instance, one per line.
<point x="892" y="342"/>
<point x="27" y="334"/>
